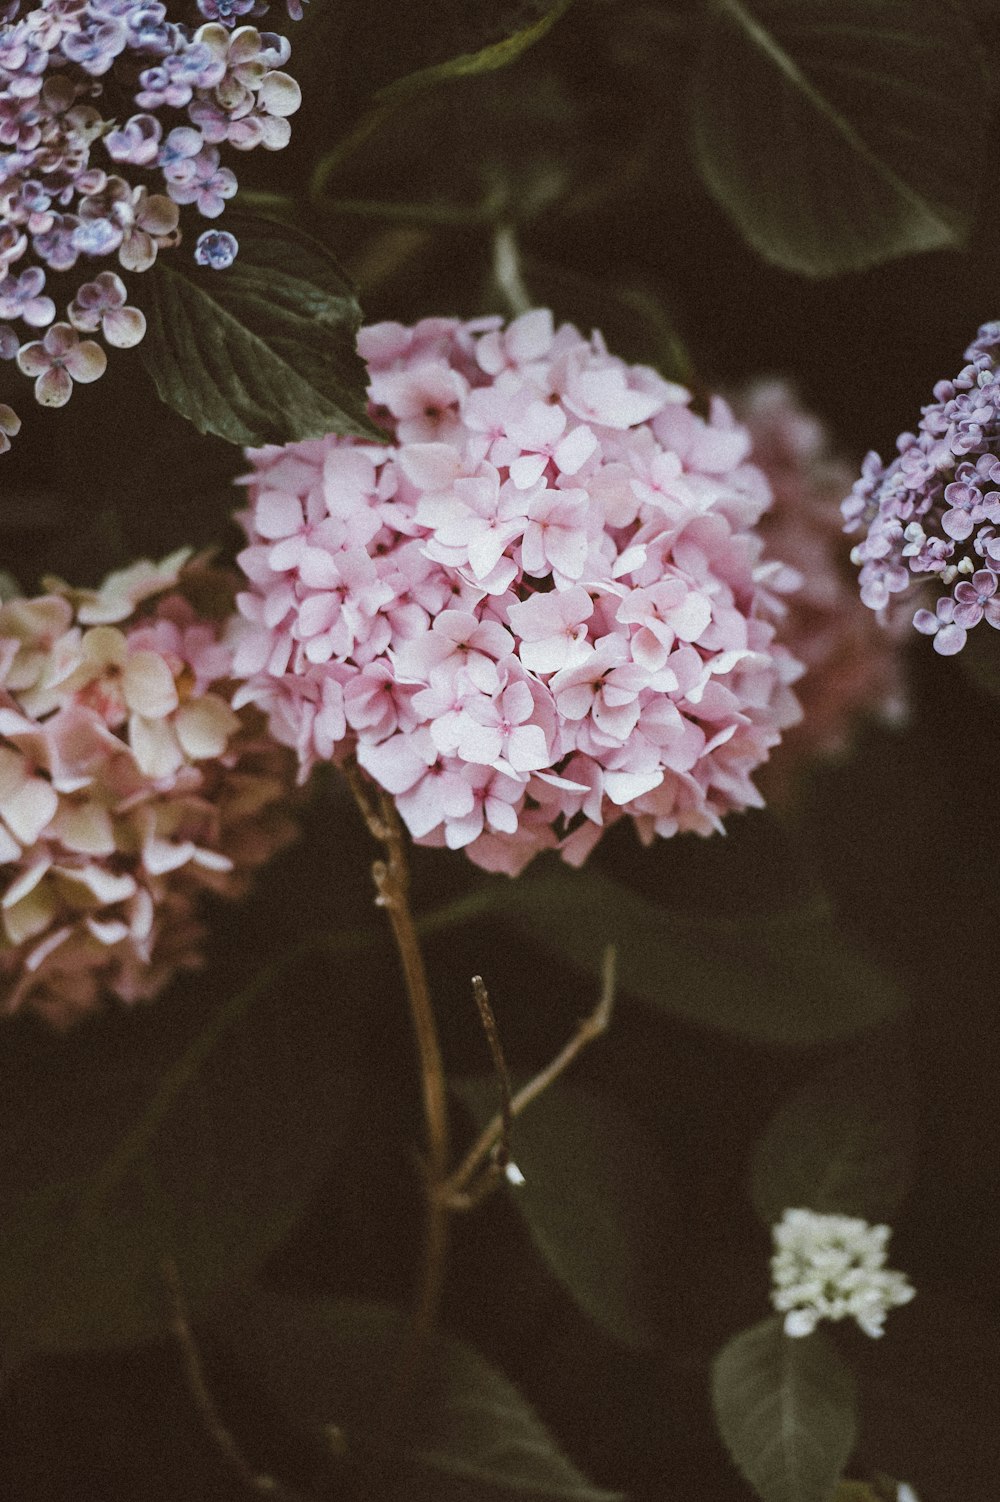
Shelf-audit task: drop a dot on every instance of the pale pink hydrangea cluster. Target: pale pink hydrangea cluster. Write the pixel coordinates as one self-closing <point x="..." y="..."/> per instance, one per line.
<point x="129" y="787"/>
<point x="852" y="665"/>
<point x="539" y="608"/>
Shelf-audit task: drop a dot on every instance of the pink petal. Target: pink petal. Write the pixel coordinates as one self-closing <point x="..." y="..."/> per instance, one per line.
<point x="148" y="685"/>
<point x="123" y="327"/>
<point x="277" y="514"/>
<point x="204" y="727"/>
<point x="279" y="94"/>
<point x="54" y="388"/>
<point x="86" y="362"/>
<point x="33" y="359"/>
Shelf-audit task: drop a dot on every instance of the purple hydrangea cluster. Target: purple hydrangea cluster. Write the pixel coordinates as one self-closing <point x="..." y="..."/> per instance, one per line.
<point x="113" y="117"/>
<point x="933" y="514"/>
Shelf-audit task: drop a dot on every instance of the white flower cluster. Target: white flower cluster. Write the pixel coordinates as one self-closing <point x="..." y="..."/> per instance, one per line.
<point x="833" y="1267"/>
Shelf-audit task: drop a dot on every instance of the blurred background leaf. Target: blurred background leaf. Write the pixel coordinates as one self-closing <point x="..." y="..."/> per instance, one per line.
<point x="786" y="1410"/>
<point x="786" y="978"/>
<point x="799" y="107"/>
<point x="596" y="1199"/>
<point x="924" y="1393"/>
<point x="123" y="1148"/>
<point x="472" y="1437"/>
<point x="843" y="1143"/>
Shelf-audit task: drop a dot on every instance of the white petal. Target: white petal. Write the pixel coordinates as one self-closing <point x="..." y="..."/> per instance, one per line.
<point x="204" y="726"/>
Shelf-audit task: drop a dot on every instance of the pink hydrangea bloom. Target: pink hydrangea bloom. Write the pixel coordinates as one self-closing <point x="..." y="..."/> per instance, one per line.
<point x="129" y="787"/>
<point x="539" y="608"/>
<point x="852" y="665"/>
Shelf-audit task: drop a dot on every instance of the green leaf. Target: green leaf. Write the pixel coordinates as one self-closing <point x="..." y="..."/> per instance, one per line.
<point x="594" y="1198"/>
<point x="265" y="351"/>
<point x="487" y="59"/>
<point x="788" y="979"/>
<point x="786" y="1411"/>
<point x="843" y="1144"/>
<point x="827" y="128"/>
<point x="122" y="1150"/>
<point x="511" y="36"/>
<point x="334" y="1365"/>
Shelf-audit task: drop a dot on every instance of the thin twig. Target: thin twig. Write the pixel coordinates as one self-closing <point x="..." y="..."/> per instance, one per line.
<point x="501" y="1152"/>
<point x="469" y="1184"/>
<point x="211" y="1420"/>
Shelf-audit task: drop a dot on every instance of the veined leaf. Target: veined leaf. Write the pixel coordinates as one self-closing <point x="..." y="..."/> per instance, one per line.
<point x="786" y="1411"/>
<point x="499" y="52"/>
<point x="261" y="352"/>
<point x="827" y="128"/>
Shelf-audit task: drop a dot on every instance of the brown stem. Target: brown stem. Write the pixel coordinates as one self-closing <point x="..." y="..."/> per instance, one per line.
<point x="482" y="1167"/>
<point x="392" y="881"/>
<point x="200" y="1393"/>
<point x="470" y="1184"/>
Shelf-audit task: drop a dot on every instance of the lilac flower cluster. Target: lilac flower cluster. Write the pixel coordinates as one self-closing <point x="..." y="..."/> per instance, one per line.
<point x="933" y="513"/>
<point x="79" y="183"/>
<point x="541" y="608"/>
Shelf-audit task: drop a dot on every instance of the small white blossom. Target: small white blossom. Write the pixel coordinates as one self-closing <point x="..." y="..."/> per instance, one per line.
<point x="833" y="1267"/>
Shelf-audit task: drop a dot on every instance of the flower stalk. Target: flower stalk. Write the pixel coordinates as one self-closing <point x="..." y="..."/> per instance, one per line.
<point x="392" y="884"/>
<point x="485" y="1164"/>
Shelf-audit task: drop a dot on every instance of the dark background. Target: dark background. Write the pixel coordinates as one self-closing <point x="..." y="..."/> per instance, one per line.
<point x="903" y="835"/>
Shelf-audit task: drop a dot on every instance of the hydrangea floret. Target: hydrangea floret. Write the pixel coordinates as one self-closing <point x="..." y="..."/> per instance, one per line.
<point x="852" y="664"/>
<point x="113" y="116"/>
<point x="933" y="514"/>
<point x="833" y="1267"/>
<point x="129" y="787"/>
<point x="539" y="608"/>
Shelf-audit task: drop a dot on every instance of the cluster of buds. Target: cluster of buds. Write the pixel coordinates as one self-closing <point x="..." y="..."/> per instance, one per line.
<point x="85" y="182"/>
<point x="832" y="1267"/>
<point x="129" y="787"/>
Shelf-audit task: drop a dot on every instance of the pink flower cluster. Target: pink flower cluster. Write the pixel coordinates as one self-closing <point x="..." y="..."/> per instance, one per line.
<point x="538" y="609"/>
<point x="129" y="787"/>
<point x="852" y="665"/>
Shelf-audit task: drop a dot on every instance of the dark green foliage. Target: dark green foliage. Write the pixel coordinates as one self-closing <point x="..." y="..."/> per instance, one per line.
<point x="827" y="128"/>
<point x="596" y="1199"/>
<point x="263" y="352"/>
<point x="123" y="1148"/>
<point x="679" y="174"/>
<point x="842" y="1144"/>
<point x="786" y="1410"/>
<point x="779" y="979"/>
<point x="469" y="1437"/>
